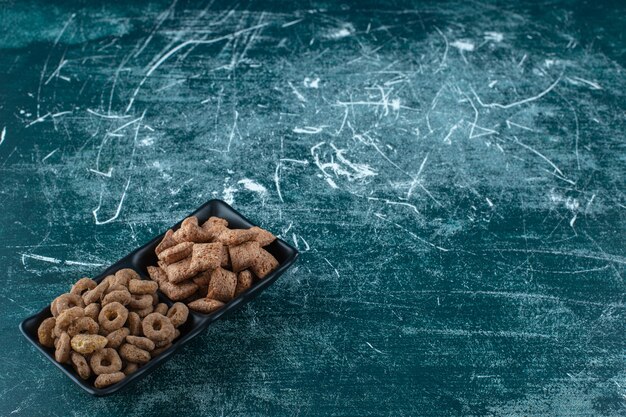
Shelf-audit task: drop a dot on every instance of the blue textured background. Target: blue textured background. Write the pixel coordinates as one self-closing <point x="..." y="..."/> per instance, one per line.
<point x="452" y="173"/>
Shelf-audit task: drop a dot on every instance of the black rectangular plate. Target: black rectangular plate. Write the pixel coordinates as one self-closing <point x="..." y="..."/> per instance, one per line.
<point x="139" y="260"/>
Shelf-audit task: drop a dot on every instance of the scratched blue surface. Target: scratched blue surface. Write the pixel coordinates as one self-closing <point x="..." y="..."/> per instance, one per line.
<point x="452" y="173"/>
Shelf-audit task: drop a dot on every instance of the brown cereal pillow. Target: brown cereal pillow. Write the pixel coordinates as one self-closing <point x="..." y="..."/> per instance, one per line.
<point x="180" y="271"/>
<point x="167" y="242"/>
<point x="244" y="281"/>
<point x="176" y="253"/>
<point x="206" y="256"/>
<point x="262" y="236"/>
<point x="222" y="285"/>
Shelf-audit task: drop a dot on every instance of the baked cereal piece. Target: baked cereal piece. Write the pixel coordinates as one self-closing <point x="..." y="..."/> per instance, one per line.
<point x="162" y="265"/>
<point x="244" y="255"/>
<point x="264" y="264"/>
<point x="161" y="308"/>
<point x="180" y="271"/>
<point x="80" y="365"/>
<point x="214" y="227"/>
<point x="202" y="279"/>
<point x="45" y="332"/>
<point x="141" y="301"/>
<point x="177" y="314"/>
<point x="66" y="318"/>
<point x="178" y="292"/>
<point x="124" y="276"/>
<point x="84" y="325"/>
<point x="157" y="274"/>
<point x="222" y="285"/>
<point x="233" y="237"/>
<point x="121" y="296"/>
<point x="130" y="368"/>
<point x="142" y="287"/>
<point x="262" y="236"/>
<point x="176" y="253"/>
<point x="141" y="342"/>
<point x="167" y="242"/>
<point x="88" y="343"/>
<point x="205" y="305"/>
<point x="134" y="354"/>
<point x="104" y="380"/>
<point x="244" y="281"/>
<point x="64" y="302"/>
<point x="112" y="316"/>
<point x="82" y="286"/>
<point x="105" y="361"/>
<point x="117" y="337"/>
<point x="158" y="328"/>
<point x="190" y="231"/>
<point x="205" y="256"/>
<point x="225" y="259"/>
<point x="93" y="296"/>
<point x="62" y="348"/>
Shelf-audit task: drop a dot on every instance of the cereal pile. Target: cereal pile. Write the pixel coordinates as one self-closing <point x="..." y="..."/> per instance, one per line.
<point x="112" y="328"/>
<point x="208" y="265"/>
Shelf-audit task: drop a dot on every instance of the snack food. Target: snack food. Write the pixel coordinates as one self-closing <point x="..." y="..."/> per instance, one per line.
<point x="98" y="328"/>
<point x="207" y="265"/>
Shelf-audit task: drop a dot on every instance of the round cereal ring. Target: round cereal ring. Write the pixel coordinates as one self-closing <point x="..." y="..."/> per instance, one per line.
<point x="45" y="332"/>
<point x="53" y="308"/>
<point x="83" y="325"/>
<point x="117" y="337"/>
<point x="66" y="318"/>
<point x="121" y="296"/>
<point x="67" y="301"/>
<point x="83" y="285"/>
<point x="92" y="310"/>
<point x="140" y="302"/>
<point x="161" y="308"/>
<point x="157" y="327"/>
<point x="93" y="296"/>
<point x="155" y="297"/>
<point x="144" y="311"/>
<point x="63" y="348"/>
<point x="162" y="343"/>
<point x="130" y="368"/>
<point x="134" y="324"/>
<point x="178" y="314"/>
<point x="104" y="380"/>
<point x="128" y="274"/>
<point x="112" y="316"/>
<point x="105" y="361"/>
<point x="114" y="287"/>
<point x="142" y="286"/>
<point x="205" y="305"/>
<point x="88" y="343"/>
<point x="134" y="354"/>
<point x="156" y="352"/>
<point x="141" y="342"/>
<point x="80" y="365"/>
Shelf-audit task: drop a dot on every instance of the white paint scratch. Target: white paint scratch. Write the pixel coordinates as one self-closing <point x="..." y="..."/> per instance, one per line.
<point x="493" y="36"/>
<point x="308" y="130"/>
<point x="463" y="45"/>
<point x="117" y="211"/>
<point x="333" y="267"/>
<point x="373" y="348"/>
<point x="49" y="155"/>
<point x="296" y="92"/>
<point x="581" y="81"/>
<point x="252" y="185"/>
<point x="517" y="103"/>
